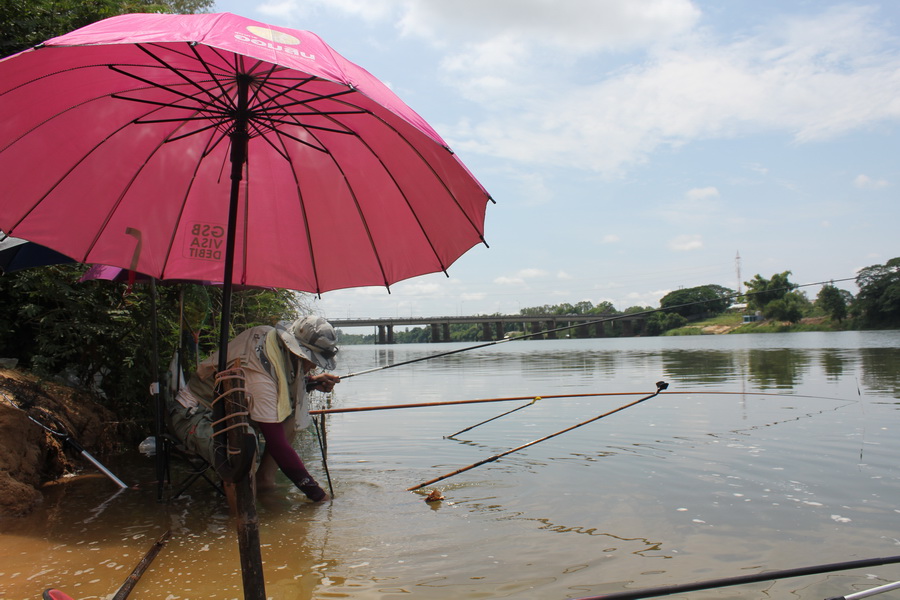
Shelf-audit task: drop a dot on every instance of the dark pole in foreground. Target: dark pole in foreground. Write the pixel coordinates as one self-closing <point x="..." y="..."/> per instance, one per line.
<point x="729" y="581"/>
<point x="141" y="567"/>
<point x="660" y="386"/>
<point x="238" y="482"/>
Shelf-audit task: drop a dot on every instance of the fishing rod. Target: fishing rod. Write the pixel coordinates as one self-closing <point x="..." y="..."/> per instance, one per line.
<point x="741" y="579"/>
<point x="66" y="438"/>
<point x="509" y="412"/>
<point x="526" y="336"/>
<point x="660" y="386"/>
<point x="325" y="411"/>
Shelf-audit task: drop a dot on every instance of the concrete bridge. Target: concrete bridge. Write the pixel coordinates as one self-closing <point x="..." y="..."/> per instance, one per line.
<point x="493" y="326"/>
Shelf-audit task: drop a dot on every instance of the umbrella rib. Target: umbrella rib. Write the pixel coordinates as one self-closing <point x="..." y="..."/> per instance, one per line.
<point x="361" y="217"/>
<point x="211" y="143"/>
<point x="312" y="254"/>
<point x="211" y="106"/>
<point x="180" y="74"/>
<point x="406" y="199"/>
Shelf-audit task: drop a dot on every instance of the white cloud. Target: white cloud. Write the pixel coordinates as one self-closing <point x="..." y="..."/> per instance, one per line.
<point x="532" y="273"/>
<point x="686" y="242"/>
<point x="504" y="280"/>
<point x="610" y="238"/>
<point x="815" y="78"/>
<point x="520" y="277"/>
<point x="581" y="25"/>
<point x="864" y="182"/>
<point x="702" y="193"/>
<point x="563" y="275"/>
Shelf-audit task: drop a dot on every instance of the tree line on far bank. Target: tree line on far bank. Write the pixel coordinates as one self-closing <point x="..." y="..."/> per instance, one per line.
<point x="777" y="298"/>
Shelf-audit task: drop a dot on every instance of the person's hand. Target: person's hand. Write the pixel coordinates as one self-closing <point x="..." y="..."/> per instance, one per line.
<point x="325" y="381"/>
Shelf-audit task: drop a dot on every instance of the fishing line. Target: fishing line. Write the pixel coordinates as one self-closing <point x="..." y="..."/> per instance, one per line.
<point x="585" y="324"/>
<point x="469" y="428"/>
<point x="660" y="386"/>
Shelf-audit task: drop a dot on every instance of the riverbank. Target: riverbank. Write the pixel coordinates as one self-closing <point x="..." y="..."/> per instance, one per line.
<point x="30" y="455"/>
<point x="734" y="323"/>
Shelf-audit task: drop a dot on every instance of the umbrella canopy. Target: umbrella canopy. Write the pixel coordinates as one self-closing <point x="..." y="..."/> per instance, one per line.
<point x="117" y="140"/>
<point x="16" y="254"/>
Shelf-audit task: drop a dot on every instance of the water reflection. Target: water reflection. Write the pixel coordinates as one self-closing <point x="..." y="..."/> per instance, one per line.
<point x="880" y="370"/>
<point x="780" y="368"/>
<point x="700" y="366"/>
<point x="832" y="361"/>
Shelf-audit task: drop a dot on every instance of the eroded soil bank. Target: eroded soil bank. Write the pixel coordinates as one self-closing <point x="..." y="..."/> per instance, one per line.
<point x="30" y="455"/>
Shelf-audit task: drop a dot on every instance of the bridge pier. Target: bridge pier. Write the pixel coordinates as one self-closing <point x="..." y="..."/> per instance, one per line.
<point x="486" y="332"/>
<point x="435" y="333"/>
<point x="551" y="324"/>
<point x="385" y="334"/>
<point x="445" y="327"/>
<point x="536" y="327"/>
<point x="500" y="332"/>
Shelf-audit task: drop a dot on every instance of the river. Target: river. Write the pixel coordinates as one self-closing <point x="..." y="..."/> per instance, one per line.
<point x="766" y="452"/>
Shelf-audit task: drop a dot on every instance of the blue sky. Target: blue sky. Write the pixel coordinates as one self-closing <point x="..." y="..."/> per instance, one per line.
<point x="637" y="146"/>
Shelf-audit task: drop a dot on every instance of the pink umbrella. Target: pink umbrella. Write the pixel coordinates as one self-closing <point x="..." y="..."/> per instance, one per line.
<point x="213" y="147"/>
<point x="117" y="138"/>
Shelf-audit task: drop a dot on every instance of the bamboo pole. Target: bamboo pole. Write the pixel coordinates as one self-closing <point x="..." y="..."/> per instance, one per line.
<point x="141" y="567"/>
<point x="326" y="411"/>
<point x="660" y="386"/>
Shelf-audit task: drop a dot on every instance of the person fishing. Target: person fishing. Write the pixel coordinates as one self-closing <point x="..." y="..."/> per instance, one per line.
<point x="279" y="365"/>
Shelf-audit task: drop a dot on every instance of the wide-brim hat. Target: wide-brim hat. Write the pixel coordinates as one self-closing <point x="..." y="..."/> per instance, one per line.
<point x="312" y="338"/>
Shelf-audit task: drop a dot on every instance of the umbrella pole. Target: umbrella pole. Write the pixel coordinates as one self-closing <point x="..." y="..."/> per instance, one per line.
<point x="159" y="409"/>
<point x="239" y="488"/>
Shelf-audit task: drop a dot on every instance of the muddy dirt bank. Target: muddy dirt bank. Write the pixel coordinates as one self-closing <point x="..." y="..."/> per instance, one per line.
<point x="31" y="456"/>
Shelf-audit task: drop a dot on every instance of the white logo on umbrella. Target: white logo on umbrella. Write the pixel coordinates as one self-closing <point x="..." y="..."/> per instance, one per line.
<point x="279" y="37"/>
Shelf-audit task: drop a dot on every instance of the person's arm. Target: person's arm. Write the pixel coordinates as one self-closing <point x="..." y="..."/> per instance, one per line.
<point x="289" y="461"/>
<point x="324" y="382"/>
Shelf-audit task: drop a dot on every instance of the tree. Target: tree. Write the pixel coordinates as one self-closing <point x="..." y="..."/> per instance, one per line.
<point x="97" y="334"/>
<point x="790" y="307"/>
<point x="26" y="23"/>
<point x="695" y="301"/>
<point x="659" y="322"/>
<point x="761" y="291"/>
<point x="833" y="302"/>
<point x="878" y="301"/>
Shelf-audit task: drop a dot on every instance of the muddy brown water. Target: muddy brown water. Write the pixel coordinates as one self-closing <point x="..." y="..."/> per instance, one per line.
<point x="791" y="463"/>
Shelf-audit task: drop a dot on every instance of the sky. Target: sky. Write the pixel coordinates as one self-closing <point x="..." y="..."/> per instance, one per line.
<point x="634" y="147"/>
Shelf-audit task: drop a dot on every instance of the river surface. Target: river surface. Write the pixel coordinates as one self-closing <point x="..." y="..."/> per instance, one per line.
<point x="766" y="452"/>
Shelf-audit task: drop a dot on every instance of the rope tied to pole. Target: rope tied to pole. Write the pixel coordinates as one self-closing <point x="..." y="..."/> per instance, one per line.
<point x="235" y="452"/>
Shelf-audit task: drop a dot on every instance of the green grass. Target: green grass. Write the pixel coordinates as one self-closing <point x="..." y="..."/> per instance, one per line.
<point x="735" y="320"/>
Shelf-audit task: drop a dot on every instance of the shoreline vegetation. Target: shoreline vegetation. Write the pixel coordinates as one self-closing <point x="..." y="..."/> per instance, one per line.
<point x="733" y="323"/>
